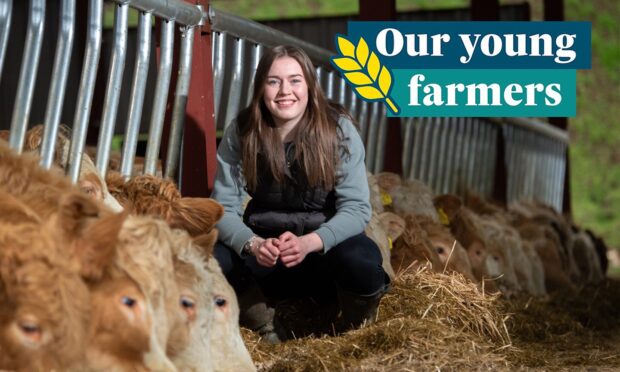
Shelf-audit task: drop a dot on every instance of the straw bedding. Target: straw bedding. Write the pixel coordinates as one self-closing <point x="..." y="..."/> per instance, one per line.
<point x="434" y="321"/>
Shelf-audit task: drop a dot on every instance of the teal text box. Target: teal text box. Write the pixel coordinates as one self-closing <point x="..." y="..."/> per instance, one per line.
<point x="557" y="98"/>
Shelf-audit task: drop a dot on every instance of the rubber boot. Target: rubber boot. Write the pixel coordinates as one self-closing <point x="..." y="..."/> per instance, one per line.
<point x="256" y="315"/>
<point x="356" y="310"/>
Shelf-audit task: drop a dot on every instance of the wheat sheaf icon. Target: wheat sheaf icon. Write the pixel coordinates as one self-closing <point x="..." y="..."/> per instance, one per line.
<point x="363" y="70"/>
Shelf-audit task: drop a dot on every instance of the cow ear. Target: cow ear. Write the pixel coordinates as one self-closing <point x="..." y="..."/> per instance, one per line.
<point x="449" y="203"/>
<point x="91" y="232"/>
<point x="393" y="224"/>
<point x="195" y="215"/>
<point x="206" y="242"/>
<point x="74" y="211"/>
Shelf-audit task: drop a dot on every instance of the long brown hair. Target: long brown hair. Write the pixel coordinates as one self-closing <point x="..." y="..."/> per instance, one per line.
<point x="316" y="136"/>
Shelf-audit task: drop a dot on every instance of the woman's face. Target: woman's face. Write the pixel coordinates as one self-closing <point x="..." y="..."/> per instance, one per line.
<point x="286" y="92"/>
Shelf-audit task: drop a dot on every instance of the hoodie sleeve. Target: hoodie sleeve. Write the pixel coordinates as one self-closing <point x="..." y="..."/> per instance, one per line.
<point x="228" y="190"/>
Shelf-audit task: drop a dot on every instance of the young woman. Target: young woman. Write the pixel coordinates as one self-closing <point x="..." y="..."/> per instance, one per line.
<point x="301" y="160"/>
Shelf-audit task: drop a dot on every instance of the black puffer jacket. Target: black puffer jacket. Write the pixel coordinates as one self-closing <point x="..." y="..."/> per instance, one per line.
<point x="292" y="206"/>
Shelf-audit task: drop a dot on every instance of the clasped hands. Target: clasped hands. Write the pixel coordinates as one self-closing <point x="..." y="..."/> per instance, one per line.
<point x="288" y="247"/>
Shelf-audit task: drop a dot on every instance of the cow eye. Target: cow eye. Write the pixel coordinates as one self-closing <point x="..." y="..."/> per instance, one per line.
<point x="496" y="258"/>
<point x="29" y="328"/>
<point x="187" y="303"/>
<point x="220" y="301"/>
<point x="128" y="301"/>
<point x="439" y="250"/>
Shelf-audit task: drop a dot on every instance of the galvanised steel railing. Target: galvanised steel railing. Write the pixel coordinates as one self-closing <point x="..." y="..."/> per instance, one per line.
<point x="170" y="13"/>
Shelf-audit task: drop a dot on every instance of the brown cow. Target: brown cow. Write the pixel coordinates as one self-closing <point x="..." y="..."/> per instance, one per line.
<point x="451" y="253"/>
<point x="132" y="292"/>
<point x="36" y="269"/>
<point x="90" y="181"/>
<point x="414" y="249"/>
<point x="214" y="329"/>
<point x="150" y="195"/>
<point x="462" y="225"/>
<point x="384" y="229"/>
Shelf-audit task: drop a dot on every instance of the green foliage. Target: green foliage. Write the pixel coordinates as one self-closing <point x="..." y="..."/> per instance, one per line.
<point x="595" y="133"/>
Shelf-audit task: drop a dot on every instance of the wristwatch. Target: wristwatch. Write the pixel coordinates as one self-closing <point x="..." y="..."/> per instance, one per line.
<point x="246" y="250"/>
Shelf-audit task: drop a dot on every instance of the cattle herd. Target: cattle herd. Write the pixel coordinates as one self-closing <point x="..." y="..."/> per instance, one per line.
<point x="86" y="286"/>
<point x="526" y="248"/>
<point x="117" y="275"/>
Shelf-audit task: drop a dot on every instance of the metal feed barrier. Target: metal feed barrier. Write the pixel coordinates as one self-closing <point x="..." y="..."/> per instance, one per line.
<point x="449" y="154"/>
<point x="170" y="13"/>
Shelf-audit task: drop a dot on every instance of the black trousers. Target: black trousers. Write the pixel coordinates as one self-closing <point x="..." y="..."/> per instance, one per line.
<point x="354" y="265"/>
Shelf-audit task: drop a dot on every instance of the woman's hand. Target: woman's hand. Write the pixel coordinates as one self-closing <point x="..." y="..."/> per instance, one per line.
<point x="293" y="248"/>
<point x="266" y="252"/>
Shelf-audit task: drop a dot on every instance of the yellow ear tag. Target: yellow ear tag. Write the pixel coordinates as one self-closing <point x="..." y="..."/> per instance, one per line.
<point x="386" y="199"/>
<point x="390" y="242"/>
<point x="443" y="217"/>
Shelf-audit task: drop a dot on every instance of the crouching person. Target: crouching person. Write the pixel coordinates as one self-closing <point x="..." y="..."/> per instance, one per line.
<point x="301" y="160"/>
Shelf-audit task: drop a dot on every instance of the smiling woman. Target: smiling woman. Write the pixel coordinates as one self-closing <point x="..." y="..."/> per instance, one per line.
<point x="286" y="94"/>
<point x="301" y="160"/>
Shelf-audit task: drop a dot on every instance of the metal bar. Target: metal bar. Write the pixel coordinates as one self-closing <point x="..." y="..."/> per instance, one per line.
<point x="113" y="88"/>
<point x="87" y="87"/>
<point x="451" y="165"/>
<point x="261" y="34"/>
<point x="342" y="90"/>
<point x="468" y="155"/>
<point x="541" y="169"/>
<point x="6" y="8"/>
<point x="561" y="175"/>
<point x="27" y="75"/>
<point x="138" y="86"/>
<point x="60" y="71"/>
<point x="548" y="148"/>
<point x="442" y="154"/>
<point x="482" y="157"/>
<point x="510" y="161"/>
<point x="555" y="173"/>
<point x="492" y="151"/>
<point x="330" y="85"/>
<point x="539" y="127"/>
<point x="458" y="158"/>
<point x="418" y="148"/>
<point x="257" y="52"/>
<point x="234" y="95"/>
<point x="363" y="119"/>
<point x="381" y="139"/>
<point x="180" y="102"/>
<point x="407" y="135"/>
<point x="219" y="54"/>
<point x="156" y="126"/>
<point x="353" y="103"/>
<point x="433" y="150"/>
<point x="521" y="161"/>
<point x="474" y="160"/>
<point x="371" y="139"/>
<point x="180" y="11"/>
<point x="423" y="165"/>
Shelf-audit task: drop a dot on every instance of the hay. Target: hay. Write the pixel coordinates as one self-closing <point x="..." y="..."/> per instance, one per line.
<point x="567" y="331"/>
<point x="432" y="321"/>
<point x="427" y="321"/>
